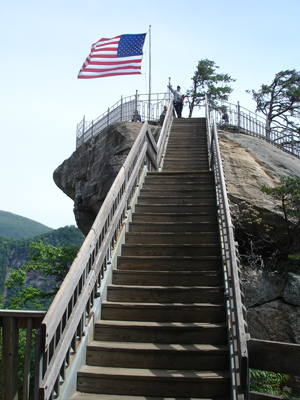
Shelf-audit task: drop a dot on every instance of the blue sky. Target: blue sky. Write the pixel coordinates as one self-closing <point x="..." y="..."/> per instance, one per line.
<point x="43" y="44"/>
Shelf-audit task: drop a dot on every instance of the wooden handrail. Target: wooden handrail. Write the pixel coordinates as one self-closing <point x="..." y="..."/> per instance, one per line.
<point x="274" y="356"/>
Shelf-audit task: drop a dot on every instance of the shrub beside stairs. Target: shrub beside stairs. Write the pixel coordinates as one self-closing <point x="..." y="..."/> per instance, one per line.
<point x="163" y="331"/>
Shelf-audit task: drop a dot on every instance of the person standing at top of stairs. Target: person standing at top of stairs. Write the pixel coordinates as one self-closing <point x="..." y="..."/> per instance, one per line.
<point x="178" y="99"/>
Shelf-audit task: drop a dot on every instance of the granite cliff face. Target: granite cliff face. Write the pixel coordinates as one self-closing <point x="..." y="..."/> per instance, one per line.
<point x="272" y="300"/>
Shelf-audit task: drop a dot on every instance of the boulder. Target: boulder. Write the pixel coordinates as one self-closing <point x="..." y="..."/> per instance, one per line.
<point x="273" y="304"/>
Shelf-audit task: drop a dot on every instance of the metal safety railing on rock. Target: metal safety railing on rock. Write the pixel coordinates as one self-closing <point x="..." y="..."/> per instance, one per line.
<point x="233" y="288"/>
<point x="63" y="327"/>
<point x="149" y="108"/>
<point x="244" y="121"/>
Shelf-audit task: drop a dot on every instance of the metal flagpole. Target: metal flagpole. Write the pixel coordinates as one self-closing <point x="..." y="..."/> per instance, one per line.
<point x="149" y="72"/>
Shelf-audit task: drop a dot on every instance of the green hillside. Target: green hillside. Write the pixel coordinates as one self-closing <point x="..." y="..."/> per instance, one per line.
<point x="17" y="227"/>
<point x="15" y="252"/>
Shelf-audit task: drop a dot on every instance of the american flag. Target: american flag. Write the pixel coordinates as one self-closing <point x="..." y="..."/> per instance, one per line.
<point x="121" y="55"/>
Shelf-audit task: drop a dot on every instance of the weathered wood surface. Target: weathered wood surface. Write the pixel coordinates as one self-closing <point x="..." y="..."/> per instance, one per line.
<point x="22" y="317"/>
<point x="274" y="356"/>
<point x="10" y="345"/>
<point x="263" y="396"/>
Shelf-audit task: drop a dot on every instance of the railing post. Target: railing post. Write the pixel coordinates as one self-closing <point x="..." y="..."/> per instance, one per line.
<point x="38" y="364"/>
<point x="121" y="108"/>
<point x="27" y="360"/>
<point x="268" y="131"/>
<point x="83" y="125"/>
<point x="108" y="116"/>
<point x="10" y="346"/>
<point x="239" y="116"/>
<point x="136" y="94"/>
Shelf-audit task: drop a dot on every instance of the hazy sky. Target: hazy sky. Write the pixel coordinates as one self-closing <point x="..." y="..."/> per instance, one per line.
<point x="43" y="44"/>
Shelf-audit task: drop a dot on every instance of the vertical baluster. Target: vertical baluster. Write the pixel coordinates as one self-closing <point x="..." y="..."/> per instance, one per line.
<point x="10" y="344"/>
<point x="27" y="360"/>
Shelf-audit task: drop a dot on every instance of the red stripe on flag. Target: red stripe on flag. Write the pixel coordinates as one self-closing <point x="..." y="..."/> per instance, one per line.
<point x="106" y="75"/>
<point x="114" y="62"/>
<point x="110" y="63"/>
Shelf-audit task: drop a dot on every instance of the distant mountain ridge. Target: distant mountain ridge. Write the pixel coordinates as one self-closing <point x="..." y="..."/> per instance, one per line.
<point x="18" y="227"/>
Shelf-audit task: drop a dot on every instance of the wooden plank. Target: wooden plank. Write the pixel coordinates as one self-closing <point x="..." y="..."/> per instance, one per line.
<point x="22" y="317"/>
<point x="274" y="356"/>
<point x="262" y="396"/>
<point x="10" y="345"/>
<point x="27" y="360"/>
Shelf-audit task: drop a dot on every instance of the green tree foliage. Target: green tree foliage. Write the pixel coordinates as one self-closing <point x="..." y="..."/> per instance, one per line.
<point x="288" y="193"/>
<point x="5" y="248"/>
<point x="52" y="263"/>
<point x="17" y="227"/>
<point x="267" y="241"/>
<point x="207" y="81"/>
<point x="18" y="250"/>
<point x="269" y="383"/>
<point x="280" y="101"/>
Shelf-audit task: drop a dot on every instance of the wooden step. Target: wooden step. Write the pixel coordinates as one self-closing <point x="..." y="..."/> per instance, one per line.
<point x="191" y="200"/>
<point x="188" y="163"/>
<point x="185" y="250"/>
<point x="202" y="186"/>
<point x="173" y="217"/>
<point x="178" y="209"/>
<point x="172" y="238"/>
<point x="152" y="382"/>
<point x="176" y="177"/>
<point x="195" y="148"/>
<point x="173" y="227"/>
<point x="167" y="278"/>
<point x="148" y="193"/>
<point x="179" y="168"/>
<point x="162" y="174"/>
<point x="165" y="294"/>
<point x="94" y="396"/>
<point x="209" y="190"/>
<point x="188" y="179"/>
<point x="155" y="312"/>
<point x="199" y="357"/>
<point x="159" y="263"/>
<point x="161" y="332"/>
<point x="171" y="166"/>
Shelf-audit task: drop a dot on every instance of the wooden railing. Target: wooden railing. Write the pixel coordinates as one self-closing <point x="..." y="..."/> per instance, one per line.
<point x="10" y="322"/>
<point x="273" y="357"/>
<point x="233" y="288"/>
<point x="63" y="325"/>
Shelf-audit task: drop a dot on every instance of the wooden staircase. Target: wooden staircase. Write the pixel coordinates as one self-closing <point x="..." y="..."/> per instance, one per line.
<point x="163" y="331"/>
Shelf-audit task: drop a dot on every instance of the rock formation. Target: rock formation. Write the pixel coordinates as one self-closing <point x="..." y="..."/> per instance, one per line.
<point x="272" y="300"/>
<point x="88" y="174"/>
<point x="273" y="305"/>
